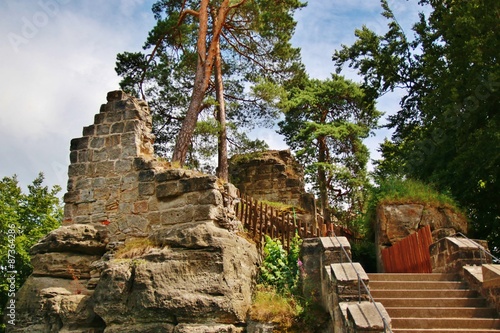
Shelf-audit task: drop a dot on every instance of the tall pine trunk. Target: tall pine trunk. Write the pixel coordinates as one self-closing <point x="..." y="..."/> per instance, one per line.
<point x="204" y="66"/>
<point x="222" y="167"/>
<point x="323" y="187"/>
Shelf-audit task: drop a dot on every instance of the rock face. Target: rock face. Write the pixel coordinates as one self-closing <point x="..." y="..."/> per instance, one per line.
<point x="397" y="221"/>
<point x="143" y="248"/>
<point x="274" y="176"/>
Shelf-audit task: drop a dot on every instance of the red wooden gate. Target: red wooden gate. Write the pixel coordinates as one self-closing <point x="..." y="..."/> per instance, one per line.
<point x="410" y="255"/>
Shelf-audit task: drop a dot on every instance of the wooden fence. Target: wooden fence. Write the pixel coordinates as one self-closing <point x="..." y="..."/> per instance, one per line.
<point x="410" y="255"/>
<point x="260" y="219"/>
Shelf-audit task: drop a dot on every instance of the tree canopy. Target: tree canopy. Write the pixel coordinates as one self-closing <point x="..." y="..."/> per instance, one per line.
<point x="24" y="219"/>
<point x="217" y="57"/>
<point x="325" y="124"/>
<point x="448" y="129"/>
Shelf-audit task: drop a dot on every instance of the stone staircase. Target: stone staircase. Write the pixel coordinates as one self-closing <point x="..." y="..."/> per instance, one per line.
<point x="432" y="303"/>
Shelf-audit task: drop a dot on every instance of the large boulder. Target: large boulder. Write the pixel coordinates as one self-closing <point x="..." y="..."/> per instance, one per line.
<point x="197" y="274"/>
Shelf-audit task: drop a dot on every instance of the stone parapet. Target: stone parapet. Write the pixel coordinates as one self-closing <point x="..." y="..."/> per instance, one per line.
<point x="450" y="254"/>
<point x="485" y="279"/>
<point x="364" y="317"/>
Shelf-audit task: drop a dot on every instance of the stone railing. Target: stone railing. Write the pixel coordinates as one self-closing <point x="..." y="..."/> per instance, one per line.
<point x="342" y="295"/>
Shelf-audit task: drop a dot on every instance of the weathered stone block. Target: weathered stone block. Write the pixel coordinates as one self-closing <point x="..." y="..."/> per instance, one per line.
<point x="177" y="216"/>
<point x="364" y="317"/>
<point x="73" y="238"/>
<point x="73" y="156"/>
<point x="132" y="126"/>
<point x="103" y="169"/>
<point x="115" y="153"/>
<point x="102" y="129"/>
<point x="209" y="197"/>
<point x="100" y="155"/>
<point x="79" y="143"/>
<point x="146" y="175"/>
<point x="99" y="118"/>
<point x="89" y="130"/>
<point x="168" y="190"/>
<point x="117" y="128"/>
<point x="140" y="207"/>
<point x="77" y="169"/>
<point x="206" y="212"/>
<point x="146" y="189"/>
<point x="114" y="117"/>
<point x="123" y="166"/>
<point x="491" y="276"/>
<point x="168" y="175"/>
<point x="85" y="155"/>
<point x="97" y="143"/>
<point x="63" y="265"/>
<point x="112" y="140"/>
<point x="129" y="151"/>
<point x="116" y="95"/>
<point x="198" y="183"/>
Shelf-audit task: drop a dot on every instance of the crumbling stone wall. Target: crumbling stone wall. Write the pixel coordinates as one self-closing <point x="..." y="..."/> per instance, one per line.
<point x="115" y="181"/>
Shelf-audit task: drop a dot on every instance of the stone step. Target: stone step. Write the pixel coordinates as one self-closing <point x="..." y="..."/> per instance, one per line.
<point x="432" y="302"/>
<point x="435" y="303"/>
<point x="411" y="277"/>
<point x="454" y="323"/>
<point x="428" y="293"/>
<point x="441" y="312"/>
<point x="416" y="285"/>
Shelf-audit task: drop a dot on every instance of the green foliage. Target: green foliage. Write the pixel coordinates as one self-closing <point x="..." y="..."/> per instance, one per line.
<point x="29" y="217"/>
<point x="448" y="129"/>
<point x="279" y="269"/>
<point x="365" y="253"/>
<point x="325" y="124"/>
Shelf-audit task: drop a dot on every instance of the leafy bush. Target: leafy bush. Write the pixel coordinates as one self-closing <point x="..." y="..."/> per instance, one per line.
<point x="279" y="269"/>
<point x="24" y="219"/>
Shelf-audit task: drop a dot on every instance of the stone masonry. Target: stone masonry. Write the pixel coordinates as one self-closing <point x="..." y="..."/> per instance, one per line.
<point x="273" y="175"/>
<point x="116" y="183"/>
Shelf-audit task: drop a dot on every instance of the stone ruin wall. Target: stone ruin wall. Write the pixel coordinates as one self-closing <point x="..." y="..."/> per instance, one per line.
<point x="397" y="221"/>
<point x="272" y="175"/>
<point x="115" y="182"/>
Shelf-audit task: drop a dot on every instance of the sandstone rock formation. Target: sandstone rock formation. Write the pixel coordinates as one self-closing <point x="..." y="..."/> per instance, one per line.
<point x="143" y="247"/>
<point x="397" y="221"/>
<point x="272" y="175"/>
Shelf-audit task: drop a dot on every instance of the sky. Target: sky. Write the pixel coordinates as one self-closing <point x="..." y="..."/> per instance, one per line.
<point x="57" y="60"/>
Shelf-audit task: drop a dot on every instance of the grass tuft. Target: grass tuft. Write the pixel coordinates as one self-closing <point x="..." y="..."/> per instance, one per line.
<point x="135" y="248"/>
<point x="270" y="307"/>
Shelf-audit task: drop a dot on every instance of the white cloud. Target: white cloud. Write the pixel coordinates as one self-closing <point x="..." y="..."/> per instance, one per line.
<point x="56" y="75"/>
